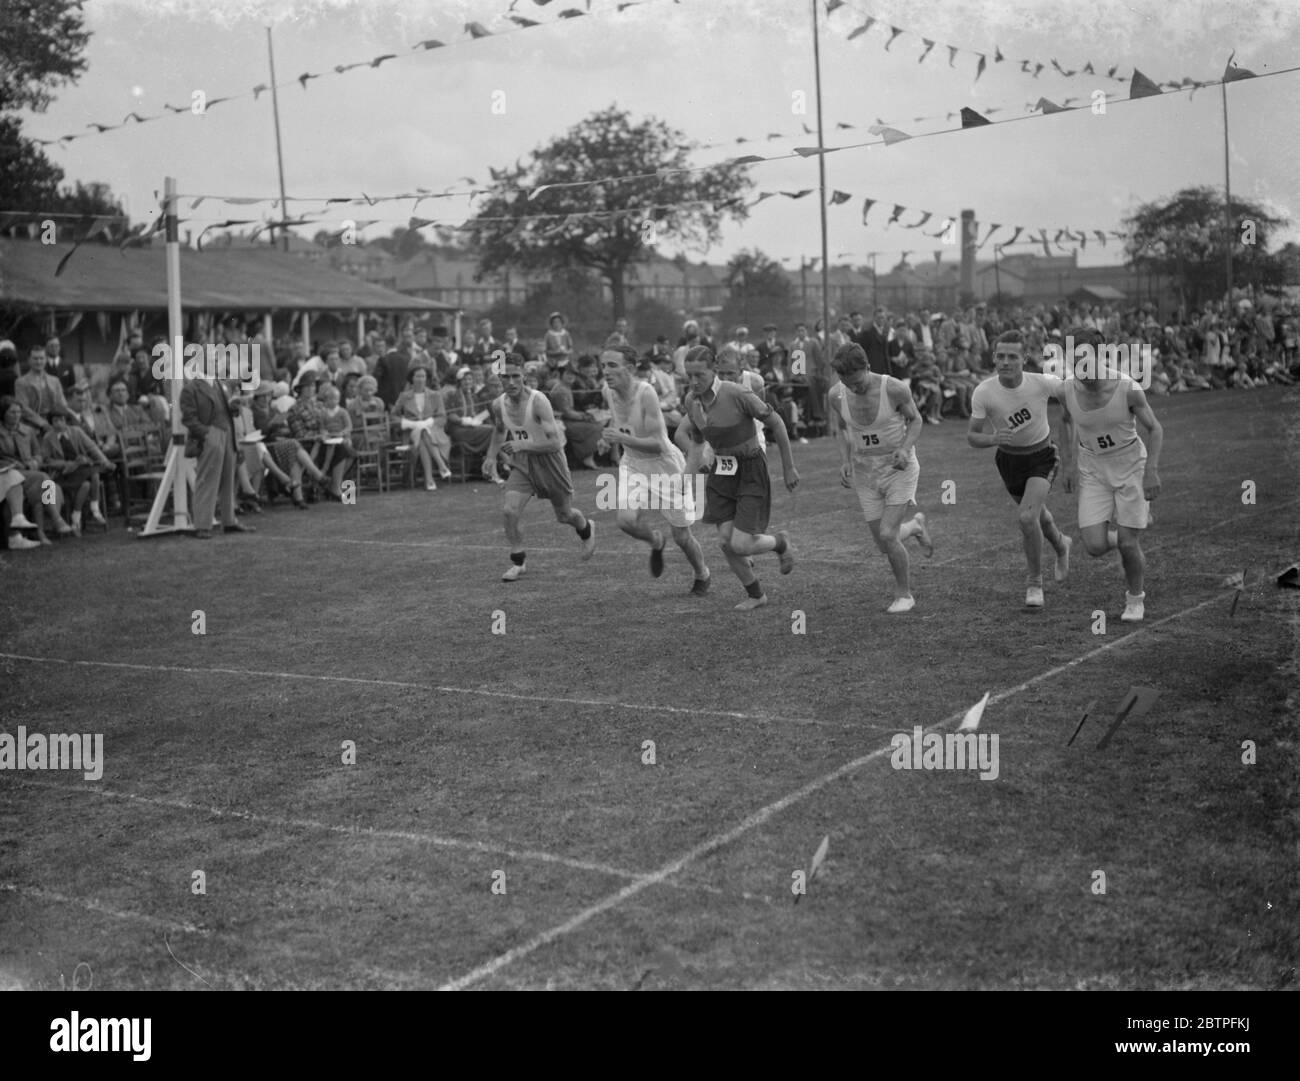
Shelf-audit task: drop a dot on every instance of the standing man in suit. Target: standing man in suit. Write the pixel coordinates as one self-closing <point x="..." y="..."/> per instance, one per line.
<point x="59" y="366"/>
<point x="206" y="414"/>
<point x="883" y="349"/>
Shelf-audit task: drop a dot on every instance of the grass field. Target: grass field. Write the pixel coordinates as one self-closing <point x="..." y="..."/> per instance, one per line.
<point x="522" y="752"/>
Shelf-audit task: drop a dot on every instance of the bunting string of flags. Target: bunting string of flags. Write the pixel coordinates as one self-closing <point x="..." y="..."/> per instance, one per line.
<point x="471" y="31"/>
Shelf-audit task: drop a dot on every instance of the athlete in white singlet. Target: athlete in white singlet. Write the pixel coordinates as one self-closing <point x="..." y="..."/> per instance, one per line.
<point x="1114" y="471"/>
<point x="525" y="426"/>
<point x="878" y="425"/>
<point x="1013" y="404"/>
<point x="651" y="472"/>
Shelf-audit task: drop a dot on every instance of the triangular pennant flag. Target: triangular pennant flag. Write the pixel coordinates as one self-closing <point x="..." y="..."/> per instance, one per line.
<point x="1048" y="107"/>
<point x="863" y="28"/>
<point x="380" y="59"/>
<point x="973" y="715"/>
<point x="1047" y="249"/>
<point x="894" y="31"/>
<point x="890" y="135"/>
<point x="952" y="55"/>
<point x="1083" y="240"/>
<point x="1232" y="73"/>
<point x="1087" y="68"/>
<point x="257" y="90"/>
<point x="812" y="151"/>
<point x="928" y="46"/>
<point x="1062" y="70"/>
<point x="831" y="5"/>
<point x="761" y="196"/>
<point x="214" y="102"/>
<point x="838" y="197"/>
<point x="1016" y="236"/>
<point x="519" y="20"/>
<point x="938" y="258"/>
<point x="1100" y="236"/>
<point x="1037" y="69"/>
<point x="997" y="55"/>
<point x="302" y="79"/>
<point x="477" y="30"/>
<point x="841" y="126"/>
<point x="944" y="228"/>
<point x="866" y="209"/>
<point x="1142" y="87"/>
<point x="992" y="229"/>
<point x="748" y="159"/>
<point x="431" y="43"/>
<point x="571" y="13"/>
<point x="898" y="213"/>
<point x="343" y="69"/>
<point x="926" y="215"/>
<point x="134" y="116"/>
<point x="797" y="194"/>
<point x="979" y="68"/>
<point x="971" y="119"/>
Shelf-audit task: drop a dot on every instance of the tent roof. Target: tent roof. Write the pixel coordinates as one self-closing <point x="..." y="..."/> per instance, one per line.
<point x="1098" y="292"/>
<point x="101" y="277"/>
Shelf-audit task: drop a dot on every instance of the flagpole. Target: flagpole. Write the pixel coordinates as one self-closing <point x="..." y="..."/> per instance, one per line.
<point x="821" y="172"/>
<point x="279" y="154"/>
<point x="1229" y="238"/>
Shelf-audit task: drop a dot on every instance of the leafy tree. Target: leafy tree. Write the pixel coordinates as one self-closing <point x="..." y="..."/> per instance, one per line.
<point x="605" y="228"/>
<point x="1184" y="237"/>
<point x="760" y="293"/>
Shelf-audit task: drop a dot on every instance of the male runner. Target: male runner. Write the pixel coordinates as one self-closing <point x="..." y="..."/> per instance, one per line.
<point x="525" y="426"/>
<point x="738" y="495"/>
<point x="879" y="424"/>
<point x="1013" y="403"/>
<point x="650" y="464"/>
<point x="1114" y="471"/>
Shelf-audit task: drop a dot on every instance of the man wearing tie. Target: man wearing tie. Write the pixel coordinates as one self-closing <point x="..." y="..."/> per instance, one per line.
<point x="882" y="347"/>
<point x="207" y="416"/>
<point x="63" y="370"/>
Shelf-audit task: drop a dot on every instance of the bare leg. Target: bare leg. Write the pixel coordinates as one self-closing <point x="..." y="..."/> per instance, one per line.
<point x="885" y="531"/>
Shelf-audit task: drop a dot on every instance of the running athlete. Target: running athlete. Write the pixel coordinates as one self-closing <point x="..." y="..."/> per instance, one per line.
<point x="525" y="426"/>
<point x="879" y="424"/>
<point x="738" y="495"/>
<point x="650" y="464"/>
<point x="1013" y="404"/>
<point x="1114" y="471"/>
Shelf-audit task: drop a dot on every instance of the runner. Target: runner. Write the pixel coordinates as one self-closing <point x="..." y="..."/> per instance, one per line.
<point x="526" y="428"/>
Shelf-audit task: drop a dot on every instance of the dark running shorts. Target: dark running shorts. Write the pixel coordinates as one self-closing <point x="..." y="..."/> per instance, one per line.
<point x="744" y="498"/>
<point x="544" y="475"/>
<point x="1016" y="469"/>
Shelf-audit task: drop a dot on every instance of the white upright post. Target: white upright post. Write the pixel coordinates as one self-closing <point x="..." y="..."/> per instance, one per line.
<point x="178" y="470"/>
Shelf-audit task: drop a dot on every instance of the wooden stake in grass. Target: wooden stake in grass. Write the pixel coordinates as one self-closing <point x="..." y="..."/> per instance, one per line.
<point x="1135" y="703"/>
<point x="1086" y="711"/>
<point x="819" y="857"/>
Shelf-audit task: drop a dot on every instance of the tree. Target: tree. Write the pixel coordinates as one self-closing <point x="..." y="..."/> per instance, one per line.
<point x="43" y="49"/>
<point x="43" y="46"/>
<point x="605" y="228"/>
<point x="1184" y="238"/>
<point x="759" y="291"/>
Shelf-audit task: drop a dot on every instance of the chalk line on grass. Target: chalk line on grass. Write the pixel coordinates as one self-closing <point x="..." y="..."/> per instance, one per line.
<point x="102" y="909"/>
<point x="762" y="815"/>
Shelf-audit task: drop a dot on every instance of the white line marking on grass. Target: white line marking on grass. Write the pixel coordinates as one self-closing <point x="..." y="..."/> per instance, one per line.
<point x="763" y="814"/>
<point x="349" y="831"/>
<point x="641" y="707"/>
<point x="94" y="906"/>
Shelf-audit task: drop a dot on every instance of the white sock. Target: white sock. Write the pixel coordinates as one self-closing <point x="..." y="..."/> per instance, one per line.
<point x="94" y="509"/>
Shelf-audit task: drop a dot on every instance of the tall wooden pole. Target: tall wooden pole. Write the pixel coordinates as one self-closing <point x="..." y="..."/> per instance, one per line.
<point x="821" y="173"/>
<point x="1228" y="231"/>
<point x="279" y="153"/>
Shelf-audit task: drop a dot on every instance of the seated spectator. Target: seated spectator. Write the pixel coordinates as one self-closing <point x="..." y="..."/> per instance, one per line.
<point x="422" y="417"/>
<point x="336" y="430"/>
<point x="8" y="368"/>
<point x="512" y="344"/>
<point x="11" y="492"/>
<point x="347" y="387"/>
<point x="74" y="461"/>
<point x="350" y="363"/>
<point x="927" y="385"/>
<point x="582" y="431"/>
<point x="147" y="391"/>
<point x="39" y="394"/>
<point x="780" y="388"/>
<point x="18" y="451"/>
<point x="463" y="426"/>
<point x="289" y="457"/>
<point x="559" y="343"/>
<point x="367" y="402"/>
<point x="121" y="412"/>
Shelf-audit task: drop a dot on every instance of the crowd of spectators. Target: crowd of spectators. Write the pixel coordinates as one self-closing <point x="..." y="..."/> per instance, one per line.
<point x="425" y="397"/>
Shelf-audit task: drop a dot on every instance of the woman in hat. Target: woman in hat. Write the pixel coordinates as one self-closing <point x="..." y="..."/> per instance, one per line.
<point x="18" y="452"/>
<point x="422" y="415"/>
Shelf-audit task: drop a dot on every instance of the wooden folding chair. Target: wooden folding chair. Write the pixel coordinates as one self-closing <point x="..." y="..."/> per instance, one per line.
<point x="398" y="460"/>
<point x="369" y="434"/>
<point x="143" y="457"/>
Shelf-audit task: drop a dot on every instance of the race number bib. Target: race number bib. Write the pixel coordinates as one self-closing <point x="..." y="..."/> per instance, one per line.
<point x="726" y="465"/>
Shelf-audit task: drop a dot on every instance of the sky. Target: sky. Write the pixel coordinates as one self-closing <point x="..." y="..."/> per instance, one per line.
<point x="712" y="69"/>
